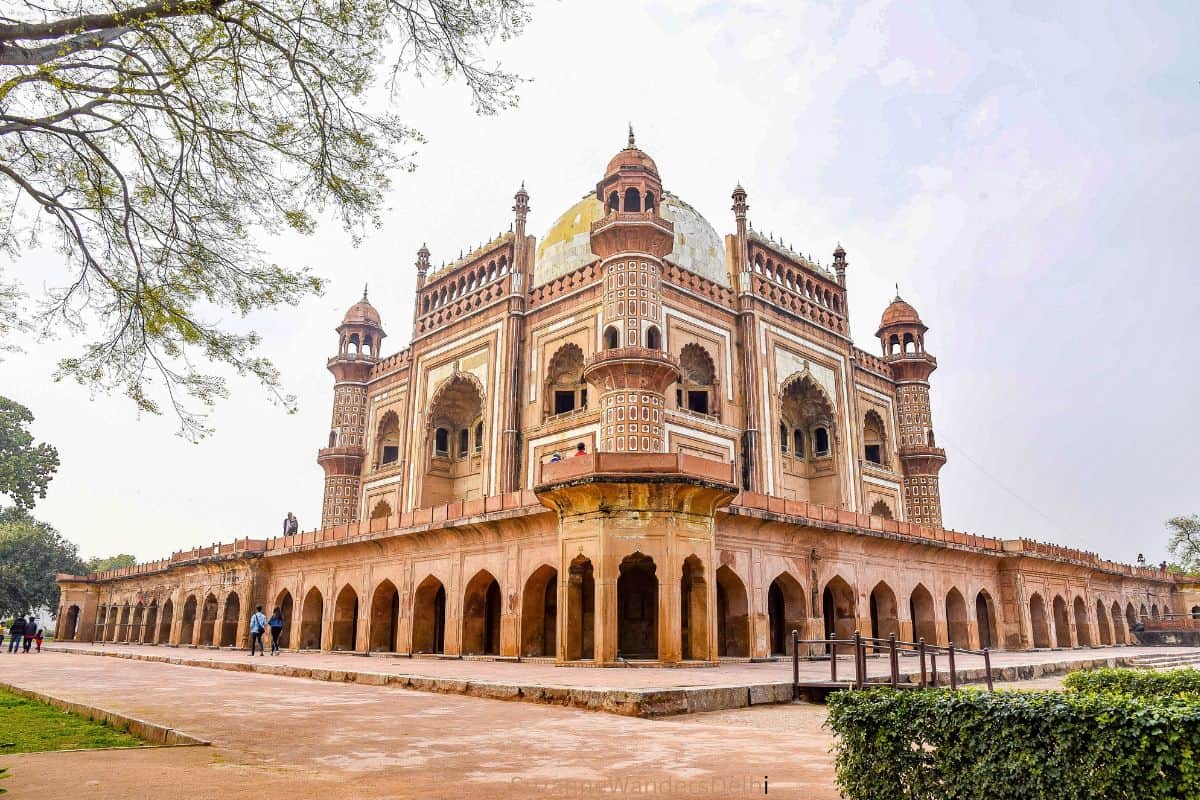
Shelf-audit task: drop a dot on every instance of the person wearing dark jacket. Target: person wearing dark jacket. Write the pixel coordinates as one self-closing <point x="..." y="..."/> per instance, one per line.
<point x="16" y="632"/>
<point x="31" y="630"/>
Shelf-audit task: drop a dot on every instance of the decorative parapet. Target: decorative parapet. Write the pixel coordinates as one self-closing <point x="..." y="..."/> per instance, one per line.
<point x="623" y="464"/>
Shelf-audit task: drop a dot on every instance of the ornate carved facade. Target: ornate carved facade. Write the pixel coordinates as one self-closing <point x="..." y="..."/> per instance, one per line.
<point x="632" y="439"/>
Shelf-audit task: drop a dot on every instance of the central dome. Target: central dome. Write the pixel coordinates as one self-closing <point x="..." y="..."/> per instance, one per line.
<point x="567" y="245"/>
<point x="631" y="157"/>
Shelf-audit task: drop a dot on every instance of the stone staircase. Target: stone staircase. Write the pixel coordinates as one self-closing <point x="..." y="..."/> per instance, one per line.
<point x="1165" y="662"/>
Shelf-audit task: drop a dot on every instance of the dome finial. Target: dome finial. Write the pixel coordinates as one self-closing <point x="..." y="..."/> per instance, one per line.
<point x="364" y="291"/>
<point x="632" y="143"/>
<point x="897" y="290"/>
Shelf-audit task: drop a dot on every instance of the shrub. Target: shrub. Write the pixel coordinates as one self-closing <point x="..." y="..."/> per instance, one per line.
<point x="1136" y="682"/>
<point x="935" y="744"/>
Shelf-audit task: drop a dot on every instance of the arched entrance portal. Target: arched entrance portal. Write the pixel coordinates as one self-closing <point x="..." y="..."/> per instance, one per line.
<point x="885" y="617"/>
<point x="920" y="611"/>
<point x="1106" y="637"/>
<point x="985" y="621"/>
<point x="164" y="625"/>
<point x="581" y="611"/>
<point x="429" y="617"/>
<point x="286" y="608"/>
<point x="693" y="611"/>
<point x="70" y="624"/>
<point x="1062" y="625"/>
<point x="1120" y="636"/>
<point x="785" y="612"/>
<point x="1083" y="631"/>
<point x="310" y="620"/>
<point x="539" y="613"/>
<point x="637" y="608"/>
<point x="481" y="616"/>
<point x="385" y="618"/>
<point x="229" y="621"/>
<point x="1037" y="619"/>
<point x="733" y="616"/>
<point x="837" y="606"/>
<point x="958" y="630"/>
<point x="208" y="621"/>
<point x="345" y="620"/>
<point x="151" y="624"/>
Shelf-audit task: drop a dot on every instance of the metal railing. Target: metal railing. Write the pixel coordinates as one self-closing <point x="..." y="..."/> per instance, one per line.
<point x="893" y="648"/>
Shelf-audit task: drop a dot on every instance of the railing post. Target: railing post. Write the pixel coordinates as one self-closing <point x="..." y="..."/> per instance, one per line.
<point x="893" y="660"/>
<point x="921" y="651"/>
<point x="953" y="675"/>
<point x="987" y="666"/>
<point x="832" y="659"/>
<point x="933" y="668"/>
<point x="859" y="662"/>
<point x="795" y="665"/>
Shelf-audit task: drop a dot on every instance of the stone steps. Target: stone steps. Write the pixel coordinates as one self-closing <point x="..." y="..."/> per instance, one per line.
<point x="1167" y="662"/>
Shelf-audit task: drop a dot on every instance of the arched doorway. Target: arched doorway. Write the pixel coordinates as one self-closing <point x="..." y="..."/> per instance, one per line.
<point x="693" y="611"/>
<point x="429" y="617"/>
<point x="164" y="625"/>
<point x="958" y="631"/>
<point x="1083" y="631"/>
<point x="151" y="623"/>
<point x="229" y="622"/>
<point x="1120" y="635"/>
<point x="114" y="628"/>
<point x="122" y="632"/>
<point x="385" y="617"/>
<point x="187" y="634"/>
<point x="885" y="616"/>
<point x="1062" y="624"/>
<point x="581" y="611"/>
<point x="70" y="624"/>
<point x="101" y="620"/>
<point x="311" y="618"/>
<point x="345" y="620"/>
<point x="786" y="612"/>
<point x="481" y="616"/>
<point x="733" y="615"/>
<point x="286" y="607"/>
<point x="453" y="468"/>
<point x="837" y="607"/>
<point x="1037" y="619"/>
<point x="1131" y="618"/>
<point x="1153" y="612"/>
<point x="637" y="608"/>
<point x="134" y="634"/>
<point x="539" y="613"/>
<point x="1102" y="627"/>
<point x="920" y="611"/>
<point x="985" y="620"/>
<point x="208" y="621"/>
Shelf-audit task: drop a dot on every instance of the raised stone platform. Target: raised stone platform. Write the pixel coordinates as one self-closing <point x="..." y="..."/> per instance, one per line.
<point x="648" y="692"/>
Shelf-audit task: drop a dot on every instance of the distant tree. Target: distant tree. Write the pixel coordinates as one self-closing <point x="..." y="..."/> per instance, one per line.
<point x="31" y="553"/>
<point x="25" y="468"/>
<point x="1184" y="543"/>
<point x="149" y="139"/>
<point x="99" y="564"/>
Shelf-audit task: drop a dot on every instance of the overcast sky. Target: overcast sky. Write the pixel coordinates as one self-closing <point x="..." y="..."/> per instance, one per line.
<point x="1031" y="180"/>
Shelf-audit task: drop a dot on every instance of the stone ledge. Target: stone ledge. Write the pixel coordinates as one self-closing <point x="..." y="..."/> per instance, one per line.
<point x="147" y="731"/>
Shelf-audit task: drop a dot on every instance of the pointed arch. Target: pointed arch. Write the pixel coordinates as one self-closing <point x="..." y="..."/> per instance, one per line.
<point x="733" y="615"/>
<point x="345" y="620"/>
<point x="429" y="617"/>
<point x="481" y="615"/>
<point x="312" y="615"/>
<point x="920" y="612"/>
<point x="958" y="629"/>
<point x="874" y="438"/>
<point x="882" y="509"/>
<point x="566" y="389"/>
<point x="786" y="612"/>
<point x="1102" y="624"/>
<point x="385" y="617"/>
<point x="637" y="607"/>
<point x="838" y="608"/>
<point x="1062" y="622"/>
<point x="166" y="618"/>
<point x="208" y="621"/>
<point x="985" y="620"/>
<point x="885" y="614"/>
<point x="230" y="619"/>
<point x="387" y="439"/>
<point x="1083" y="630"/>
<point x="693" y="610"/>
<point x="150" y="622"/>
<point x="286" y="607"/>
<point x="1120" y="633"/>
<point x="1038" y="621"/>
<point x="698" y="380"/>
<point x="580" y="625"/>
<point x="539" y="612"/>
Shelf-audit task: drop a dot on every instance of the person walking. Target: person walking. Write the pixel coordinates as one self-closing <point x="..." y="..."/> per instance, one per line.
<point x="276" y="626"/>
<point x="30" y="632"/>
<point x="15" y="631"/>
<point x="258" y="624"/>
<point x="41" y="634"/>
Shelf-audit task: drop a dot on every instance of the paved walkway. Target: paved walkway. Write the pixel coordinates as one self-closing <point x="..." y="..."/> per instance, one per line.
<point x="649" y="691"/>
<point x="277" y="737"/>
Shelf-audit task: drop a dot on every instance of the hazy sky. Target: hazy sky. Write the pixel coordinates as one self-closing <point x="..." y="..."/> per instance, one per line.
<point x="1030" y="178"/>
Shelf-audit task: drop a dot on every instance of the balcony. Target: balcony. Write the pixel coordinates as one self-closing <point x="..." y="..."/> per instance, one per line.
<point x="628" y="464"/>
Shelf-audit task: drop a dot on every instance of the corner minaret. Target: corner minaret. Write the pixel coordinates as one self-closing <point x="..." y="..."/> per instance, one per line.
<point x="359" y="338"/>
<point x="903" y="337"/>
<point x="631" y="368"/>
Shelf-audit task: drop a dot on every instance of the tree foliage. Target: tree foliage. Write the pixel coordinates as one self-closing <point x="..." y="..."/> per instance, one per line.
<point x="148" y="141"/>
<point x="31" y="554"/>
<point x="1184" y="543"/>
<point x="25" y="468"/>
<point x="102" y="563"/>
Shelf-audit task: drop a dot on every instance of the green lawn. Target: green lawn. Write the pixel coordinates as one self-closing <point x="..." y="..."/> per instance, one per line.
<point x="29" y="726"/>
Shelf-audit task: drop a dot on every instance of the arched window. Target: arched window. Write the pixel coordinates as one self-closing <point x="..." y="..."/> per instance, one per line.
<point x="893" y="345"/>
<point x="649" y="201"/>
<point x="464" y="443"/>
<point x="441" y="442"/>
<point x="633" y="201"/>
<point x="653" y="338"/>
<point x="783" y="438"/>
<point x="388" y="439"/>
<point x="333" y="438"/>
<point x="874" y="449"/>
<point x="614" y="202"/>
<point x="798" y="443"/>
<point x="909" y="346"/>
<point x="566" y="390"/>
<point x="821" y="441"/>
<point x="612" y="339"/>
<point x="697" y="384"/>
<point x="479" y="437"/>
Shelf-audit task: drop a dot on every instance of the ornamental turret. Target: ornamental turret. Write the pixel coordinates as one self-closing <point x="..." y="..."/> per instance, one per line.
<point x="631" y="369"/>
<point x="359" y="339"/>
<point x="903" y="337"/>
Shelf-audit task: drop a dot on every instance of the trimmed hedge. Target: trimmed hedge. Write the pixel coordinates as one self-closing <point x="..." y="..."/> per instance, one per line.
<point x="1010" y="745"/>
<point x="1136" y="682"/>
